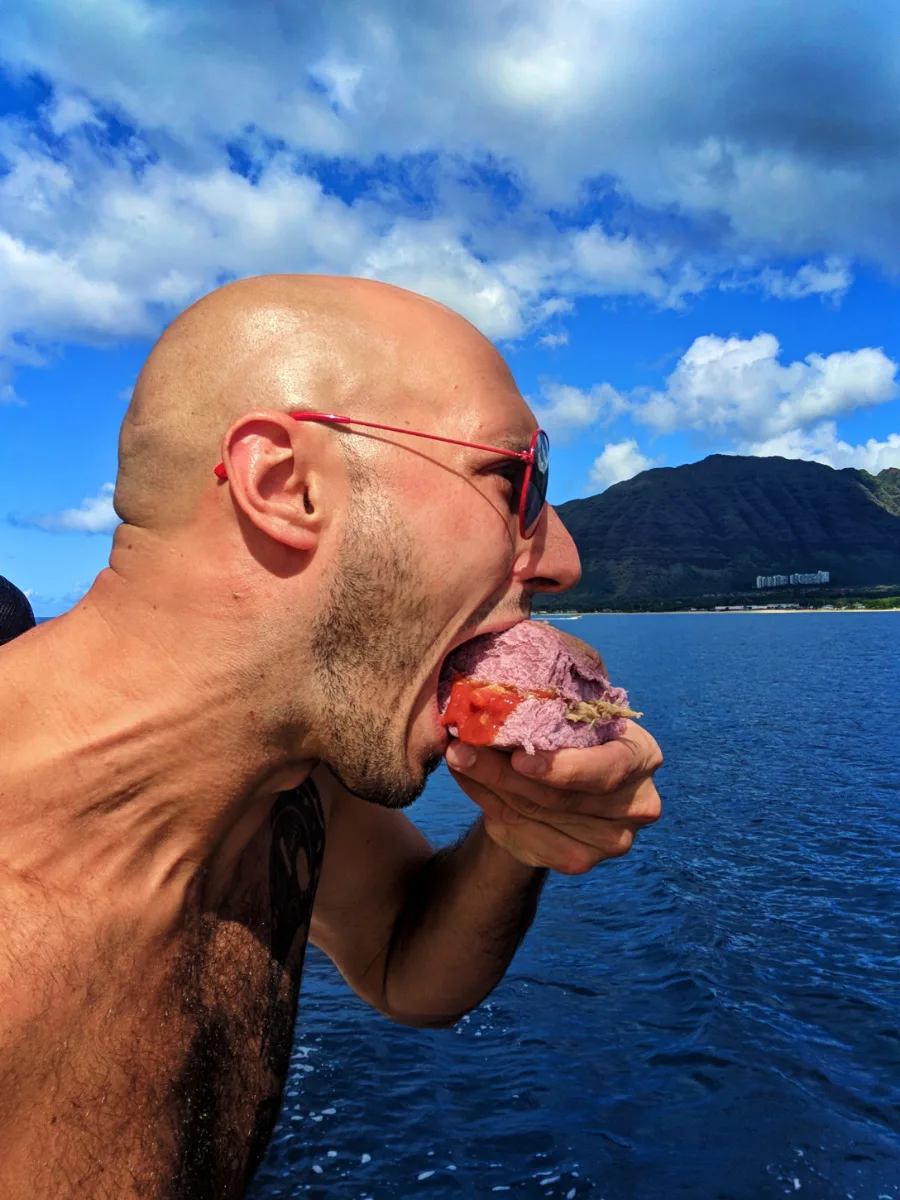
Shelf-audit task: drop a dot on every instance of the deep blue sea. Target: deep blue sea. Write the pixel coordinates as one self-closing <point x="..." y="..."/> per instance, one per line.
<point x="716" y="1015"/>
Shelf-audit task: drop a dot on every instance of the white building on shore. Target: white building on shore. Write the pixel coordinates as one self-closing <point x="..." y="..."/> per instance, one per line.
<point x="773" y="581"/>
<point x="814" y="577"/>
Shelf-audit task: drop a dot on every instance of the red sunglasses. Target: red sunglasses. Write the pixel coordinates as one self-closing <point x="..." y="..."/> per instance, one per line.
<point x="533" y="494"/>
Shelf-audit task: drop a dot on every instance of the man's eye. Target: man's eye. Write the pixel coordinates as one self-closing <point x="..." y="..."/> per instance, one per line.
<point x="511" y="476"/>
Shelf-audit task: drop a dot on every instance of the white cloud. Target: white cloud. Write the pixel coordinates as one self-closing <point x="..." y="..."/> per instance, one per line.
<point x="822" y="444"/>
<point x="575" y="99"/>
<point x="789" y="140"/>
<point x="42" y="292"/>
<point x="597" y="262"/>
<point x="831" y="279"/>
<point x="109" y="242"/>
<point x="429" y="257"/>
<point x="554" y="340"/>
<point x="96" y="250"/>
<point x="95" y="515"/>
<point x="738" y="387"/>
<point x="70" y="110"/>
<point x="619" y="265"/>
<point x="577" y="106"/>
<point x="619" y="461"/>
<point x="7" y="391"/>
<point x="566" y="409"/>
<point x="340" y="80"/>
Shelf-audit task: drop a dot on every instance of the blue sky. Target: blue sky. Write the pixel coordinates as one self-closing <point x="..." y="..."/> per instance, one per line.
<point x="681" y="223"/>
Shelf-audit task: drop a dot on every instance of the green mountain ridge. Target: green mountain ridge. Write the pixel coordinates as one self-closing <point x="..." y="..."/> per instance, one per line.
<point x="711" y="527"/>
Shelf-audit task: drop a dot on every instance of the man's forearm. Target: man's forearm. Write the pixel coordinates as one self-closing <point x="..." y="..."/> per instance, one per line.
<point x="466" y="913"/>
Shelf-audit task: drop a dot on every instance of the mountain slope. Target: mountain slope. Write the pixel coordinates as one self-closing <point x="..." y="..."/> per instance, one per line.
<point x="713" y="526"/>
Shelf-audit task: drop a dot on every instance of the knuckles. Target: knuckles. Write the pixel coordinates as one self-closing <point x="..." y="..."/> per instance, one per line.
<point x="650" y="809"/>
<point x="581" y="859"/>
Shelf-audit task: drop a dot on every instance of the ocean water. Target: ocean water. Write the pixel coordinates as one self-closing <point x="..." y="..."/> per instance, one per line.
<point x="716" y="1015"/>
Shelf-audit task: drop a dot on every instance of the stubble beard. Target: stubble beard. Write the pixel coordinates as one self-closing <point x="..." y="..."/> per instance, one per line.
<point x="368" y="640"/>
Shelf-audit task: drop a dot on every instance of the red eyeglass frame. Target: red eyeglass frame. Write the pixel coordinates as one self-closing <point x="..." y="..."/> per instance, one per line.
<point x="525" y="456"/>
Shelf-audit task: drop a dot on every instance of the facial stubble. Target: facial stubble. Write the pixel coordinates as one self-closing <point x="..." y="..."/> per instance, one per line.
<point x="368" y="641"/>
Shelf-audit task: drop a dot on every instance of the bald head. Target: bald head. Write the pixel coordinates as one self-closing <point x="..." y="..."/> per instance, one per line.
<point x="284" y="342"/>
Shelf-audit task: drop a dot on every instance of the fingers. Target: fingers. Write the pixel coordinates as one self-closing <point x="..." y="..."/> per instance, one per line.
<point x="539" y="845"/>
<point x="640" y="805"/>
<point x="494" y="769"/>
<point x="599" y="768"/>
<point x="603" y="780"/>
<point x="579" y="808"/>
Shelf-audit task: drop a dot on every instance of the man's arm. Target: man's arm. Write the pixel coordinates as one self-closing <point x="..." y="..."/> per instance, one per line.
<point x="422" y="936"/>
<point x="425" y="937"/>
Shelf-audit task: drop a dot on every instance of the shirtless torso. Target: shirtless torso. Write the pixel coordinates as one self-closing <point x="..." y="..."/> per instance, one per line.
<point x="157" y="1070"/>
<point x="276" y="600"/>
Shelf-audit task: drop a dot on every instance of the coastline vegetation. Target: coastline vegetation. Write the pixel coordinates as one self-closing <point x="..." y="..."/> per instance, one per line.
<point x="885" y="598"/>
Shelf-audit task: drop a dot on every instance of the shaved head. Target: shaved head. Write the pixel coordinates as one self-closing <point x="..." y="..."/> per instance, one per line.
<point x="281" y="342"/>
<point x="333" y="572"/>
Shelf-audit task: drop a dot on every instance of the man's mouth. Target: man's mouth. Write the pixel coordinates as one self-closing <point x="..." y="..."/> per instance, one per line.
<point x="447" y="667"/>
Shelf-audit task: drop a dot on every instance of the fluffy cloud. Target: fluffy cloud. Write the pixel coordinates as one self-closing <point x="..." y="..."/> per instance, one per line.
<point x="460" y="149"/>
<point x="105" y="242"/>
<point x="738" y="387"/>
<point x="738" y="390"/>
<point x="95" y="515"/>
<point x="830" y="279"/>
<point x="95" y="250"/>
<point x="788" y="144"/>
<point x="619" y="461"/>
<point x="565" y="409"/>
<point x="7" y="391"/>
<point x="822" y="444"/>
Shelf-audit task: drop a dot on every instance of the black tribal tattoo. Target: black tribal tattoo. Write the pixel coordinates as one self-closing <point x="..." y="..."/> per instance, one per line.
<point x="297" y="845"/>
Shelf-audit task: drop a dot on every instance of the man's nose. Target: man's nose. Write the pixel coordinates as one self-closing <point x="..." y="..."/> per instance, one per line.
<point x="550" y="562"/>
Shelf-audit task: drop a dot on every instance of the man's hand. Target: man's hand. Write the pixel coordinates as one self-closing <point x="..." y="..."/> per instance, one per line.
<point x="567" y="810"/>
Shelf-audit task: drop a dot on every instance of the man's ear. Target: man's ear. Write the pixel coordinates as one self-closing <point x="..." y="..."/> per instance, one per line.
<point x="272" y="477"/>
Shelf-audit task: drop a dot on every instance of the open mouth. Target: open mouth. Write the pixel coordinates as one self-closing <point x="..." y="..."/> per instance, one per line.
<point x="458" y="659"/>
<point x="451" y="666"/>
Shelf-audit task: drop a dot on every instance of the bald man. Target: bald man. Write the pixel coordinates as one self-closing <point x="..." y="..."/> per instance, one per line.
<point x="203" y="763"/>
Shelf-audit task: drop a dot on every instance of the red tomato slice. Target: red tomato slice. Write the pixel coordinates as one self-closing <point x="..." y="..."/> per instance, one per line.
<point x="479" y="710"/>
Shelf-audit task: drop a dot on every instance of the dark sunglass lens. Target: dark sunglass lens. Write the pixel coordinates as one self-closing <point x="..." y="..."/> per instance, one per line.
<point x="537" y="484"/>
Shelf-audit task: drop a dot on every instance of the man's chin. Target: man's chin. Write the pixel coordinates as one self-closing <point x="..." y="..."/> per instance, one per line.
<point x="390" y="793"/>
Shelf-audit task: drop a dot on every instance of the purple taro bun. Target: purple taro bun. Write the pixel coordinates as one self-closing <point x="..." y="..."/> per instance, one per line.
<point x="531" y="686"/>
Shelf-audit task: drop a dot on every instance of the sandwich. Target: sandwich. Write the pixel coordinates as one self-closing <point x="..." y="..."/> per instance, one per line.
<point x="531" y="686"/>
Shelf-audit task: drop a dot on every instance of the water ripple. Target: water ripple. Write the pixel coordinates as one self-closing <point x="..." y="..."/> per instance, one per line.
<point x="715" y="1016"/>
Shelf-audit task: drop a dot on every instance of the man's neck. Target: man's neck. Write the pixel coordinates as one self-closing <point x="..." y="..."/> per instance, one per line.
<point x="128" y="772"/>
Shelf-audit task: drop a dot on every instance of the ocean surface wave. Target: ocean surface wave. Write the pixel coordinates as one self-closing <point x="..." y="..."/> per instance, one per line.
<point x="716" y="1015"/>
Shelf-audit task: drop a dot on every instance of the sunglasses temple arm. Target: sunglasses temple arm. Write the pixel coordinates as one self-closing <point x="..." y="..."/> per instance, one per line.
<point x="525" y="455"/>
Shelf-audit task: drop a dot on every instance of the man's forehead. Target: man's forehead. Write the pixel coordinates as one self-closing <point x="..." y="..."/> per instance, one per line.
<point x="495" y="411"/>
<point x="507" y="424"/>
<point x="466" y="389"/>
